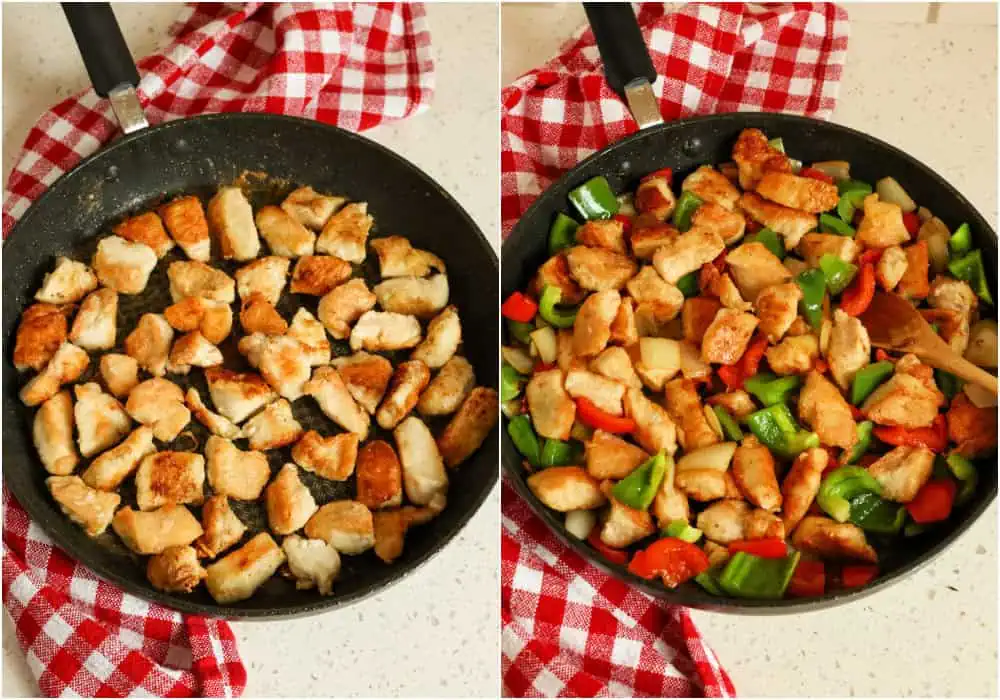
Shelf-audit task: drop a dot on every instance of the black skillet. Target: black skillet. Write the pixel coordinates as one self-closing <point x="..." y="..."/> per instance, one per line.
<point x="195" y="156"/>
<point x="684" y="145"/>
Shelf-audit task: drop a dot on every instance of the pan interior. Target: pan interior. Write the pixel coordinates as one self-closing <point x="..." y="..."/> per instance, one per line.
<point x="195" y="157"/>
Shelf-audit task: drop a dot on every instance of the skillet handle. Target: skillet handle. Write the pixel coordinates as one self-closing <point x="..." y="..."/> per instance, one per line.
<point x="627" y="64"/>
<point x="106" y="56"/>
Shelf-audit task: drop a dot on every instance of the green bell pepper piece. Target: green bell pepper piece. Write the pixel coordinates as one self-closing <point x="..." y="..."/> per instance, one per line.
<point x="730" y="428"/>
<point x="770" y="240"/>
<point x="594" y="199"/>
<point x="523" y="435"/>
<point x="967" y="475"/>
<point x="838" y="272"/>
<point x="747" y="576"/>
<point x="948" y="383"/>
<point x="770" y="389"/>
<point x="868" y="380"/>
<point x="688" y="284"/>
<point x="556" y="453"/>
<point x="511" y="382"/>
<point x="682" y="531"/>
<point x="777" y="144"/>
<point x="846" y="208"/>
<point x="775" y="426"/>
<point x="686" y="205"/>
<point x="842" y="485"/>
<point x="862" y="188"/>
<point x="831" y="224"/>
<point x="709" y="579"/>
<point x="547" y="309"/>
<point x="960" y="242"/>
<point x="563" y="233"/>
<point x="520" y="331"/>
<point x="863" y="431"/>
<point x="874" y="514"/>
<point x="638" y="489"/>
<point x="969" y="268"/>
<point x="912" y="529"/>
<point x="812" y="282"/>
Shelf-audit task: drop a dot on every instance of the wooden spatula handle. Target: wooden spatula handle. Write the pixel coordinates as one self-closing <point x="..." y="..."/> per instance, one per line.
<point x="964" y="369"/>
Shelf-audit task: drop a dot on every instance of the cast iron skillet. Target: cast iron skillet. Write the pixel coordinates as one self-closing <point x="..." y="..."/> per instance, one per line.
<point x="197" y="155"/>
<point x="684" y="145"/>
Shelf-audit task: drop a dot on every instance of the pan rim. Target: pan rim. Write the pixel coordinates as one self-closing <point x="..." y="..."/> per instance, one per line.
<point x="696" y="598"/>
<point x="228" y="612"/>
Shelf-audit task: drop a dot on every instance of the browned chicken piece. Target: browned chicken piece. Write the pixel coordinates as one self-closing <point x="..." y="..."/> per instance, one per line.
<point x="687" y="253"/>
<point x="468" y="428"/>
<point x="318" y="275"/>
<point x="345" y="234"/>
<point x="972" y="429"/>
<point x="760" y="524"/>
<point x="310" y="208"/>
<point x="723" y="521"/>
<point x="258" y="315"/>
<point x="366" y="377"/>
<point x="754" y="156"/>
<point x="753" y="470"/>
<point x="727" y="225"/>
<point x="422" y="297"/>
<point x="328" y="389"/>
<point x="159" y="403"/>
<point x="408" y="380"/>
<point x="52" y="433"/>
<point x="237" y="395"/>
<point x="891" y="267"/>
<point x="330" y="457"/>
<point x="915" y="282"/>
<point x="236" y="576"/>
<point x="440" y="343"/>
<point x="41" y="331"/>
<point x="882" y="224"/>
<point x="68" y="282"/>
<point x="264" y="277"/>
<point x="655" y="431"/>
<point x="738" y="403"/>
<point x="123" y="265"/>
<point x="425" y="479"/>
<point x="273" y="427"/>
<point x="814" y="246"/>
<point x="829" y="539"/>
<point x="379" y="476"/>
<point x="216" y="423"/>
<point x="290" y="505"/>
<point x="604" y="393"/>
<point x="686" y="411"/>
<point x="348" y="526"/>
<point x="169" y="477"/>
<point x="728" y="293"/>
<point x="231" y="218"/>
<point x="344" y="305"/>
<point x="149" y="343"/>
<point x="603" y="233"/>
<point x="660" y="299"/>
<point x="312" y="563"/>
<point x="193" y="350"/>
<point x="592" y="327"/>
<point x="391" y="526"/>
<point x="799" y="327"/>
<point x="186" y="222"/>
<point x="653" y="196"/>
<point x="96" y="323"/>
<point x="792" y="224"/>
<point x="311" y="335"/>
<point x="283" y="233"/>
<point x="101" y="422"/>
<point x="89" y="508"/>
<point x="950" y="293"/>
<point x="907" y="400"/>
<point x="647" y="239"/>
<point x="66" y="365"/>
<point x="754" y="268"/>
<point x="397" y="258"/>
<point x="823" y="408"/>
<point x="727" y="337"/>
<point x="190" y="278"/>
<point x="222" y="527"/>
<point x="154" y="531"/>
<point x="670" y="503"/>
<point x="552" y="410"/>
<point x="952" y="326"/>
<point x="175" y="570"/>
<point x="696" y="316"/>
<point x="446" y="391"/>
<point x="623" y="329"/>
<point x="554" y="272"/>
<point x="614" y="363"/>
<point x="794" y="355"/>
<point x="385" y="330"/>
<point x="902" y="472"/>
<point x="796" y="192"/>
<point x="213" y="318"/>
<point x="849" y="349"/>
<point x="624" y="526"/>
<point x="566" y="488"/>
<point x="777" y="308"/>
<point x="711" y="186"/>
<point x="610" y="457"/>
<point x="598" y="270"/>
<point x="146" y="228"/>
<point x="285" y="365"/>
<point x="235" y="472"/>
<point x="801" y="484"/>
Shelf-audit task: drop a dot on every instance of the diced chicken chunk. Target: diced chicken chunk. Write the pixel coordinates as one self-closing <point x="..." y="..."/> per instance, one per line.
<point x="397" y="258"/>
<point x="186" y="222"/>
<point x="264" y="276"/>
<point x="655" y="296"/>
<point x="283" y="233"/>
<point x="792" y="224"/>
<point x="670" y="503"/>
<point x="554" y="272"/>
<point x="213" y="318"/>
<point x="904" y="401"/>
<point x="753" y="470"/>
<point x="446" y="391"/>
<point x="342" y="306"/>
<point x="310" y="208"/>
<point x="231" y="217"/>
<point x="328" y="389"/>
<point x="950" y="293"/>
<point x="169" y="477"/>
<point x="193" y="350"/>
<point x="366" y="377"/>
<point x="829" y="539"/>
<point x="687" y="253"/>
<point x="190" y="278"/>
<point x="723" y="521"/>
<point x="146" y="228"/>
<point x="273" y="427"/>
<point x="598" y="270"/>
<point x="234" y="472"/>
<point x="290" y="505"/>
<point x="849" y="349"/>
<point x="284" y="364"/>
<point x="237" y="395"/>
<point x="902" y="472"/>
<point x="760" y="524"/>
<point x="468" y="429"/>
<point x="566" y="488"/>
<point x="236" y="576"/>
<point x="915" y="282"/>
<point x="604" y="393"/>
<point x="796" y="192"/>
<point x="712" y="186"/>
<point x="89" y="508"/>
<point x="385" y="330"/>
<point x="891" y="267"/>
<point x="655" y="431"/>
<point x="175" y="570"/>
<point x="122" y="265"/>
<point x="754" y="156"/>
<point x="258" y="315"/>
<point x="801" y="485"/>
<point x="66" y="365"/>
<point x="345" y="234"/>
<point x="345" y="525"/>
<point x="610" y="457"/>
<point x="592" y="327"/>
<point x="551" y="408"/>
<point x="624" y="526"/>
<point x="685" y="409"/>
<point x="391" y="527"/>
<point x="754" y="268"/>
<point x="149" y="343"/>
<point x="313" y="563"/>
<point x="159" y="403"/>
<point x="319" y="274"/>
<point x="408" y="380"/>
<point x="647" y="238"/>
<point x="654" y="197"/>
<point x="727" y="225"/>
<point x="814" y="246"/>
<point x="777" y="308"/>
<point x="101" y="422"/>
<point x="421" y="297"/>
<point x="69" y="282"/>
<point x="95" y="325"/>
<point x="603" y="233"/>
<point x="311" y="335"/>
<point x="444" y="335"/>
<point x="52" y="433"/>
<point x="41" y="331"/>
<point x="615" y="363"/>
<point x="882" y="224"/>
<point x="727" y="337"/>
<point x="379" y="476"/>
<point x="823" y="408"/>
<point x="793" y="355"/>
<point x="424" y="476"/>
<point x="152" y="532"/>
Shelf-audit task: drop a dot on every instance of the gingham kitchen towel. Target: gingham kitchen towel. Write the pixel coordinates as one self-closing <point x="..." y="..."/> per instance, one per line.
<point x="569" y="630"/>
<point x="352" y="65"/>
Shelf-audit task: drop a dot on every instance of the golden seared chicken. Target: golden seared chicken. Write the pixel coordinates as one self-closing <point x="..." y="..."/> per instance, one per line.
<point x="67" y="364"/>
<point x="328" y="389"/>
<point x="152" y="532"/>
<point x="379" y="476"/>
<point x="68" y="283"/>
<point x="309" y="332"/>
<point x="100" y="420"/>
<point x="170" y="477"/>
<point x="345" y="525"/>
<point x="192" y="278"/>
<point x="273" y="427"/>
<point x="213" y="318"/>
<point x="345" y="234"/>
<point x="43" y="328"/>
<point x="123" y="265"/>
<point x="236" y="576"/>
<point x="234" y="472"/>
<point x="53" y="435"/>
<point x="289" y="503"/>
<point x="146" y="228"/>
<point x="111" y="468"/>
<point x="90" y="508"/>
<point x="424" y="476"/>
<point x="343" y="305"/>
<point x="385" y="330"/>
<point x="159" y="403"/>
<point x="469" y="427"/>
<point x="96" y="323"/>
<point x="330" y="457"/>
<point x="217" y="424"/>
<point x="317" y="275"/>
<point x="231" y="218"/>
<point x="264" y="276"/>
<point x="416" y="296"/>
<point x="175" y="570"/>
<point x="238" y="395"/>
<point x="283" y="234"/>
<point x="310" y="208"/>
<point x="398" y="258"/>
<point x="408" y="380"/>
<point x="313" y="563"/>
<point x="149" y="344"/>
<point x="444" y="335"/>
<point x="185" y="219"/>
<point x="367" y="376"/>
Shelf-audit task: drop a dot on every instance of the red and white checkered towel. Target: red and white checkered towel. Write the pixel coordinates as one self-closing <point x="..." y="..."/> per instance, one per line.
<point x="570" y="630"/>
<point x="352" y="65"/>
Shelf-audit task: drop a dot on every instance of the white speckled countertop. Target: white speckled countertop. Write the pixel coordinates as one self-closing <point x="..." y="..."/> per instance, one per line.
<point x="435" y="632"/>
<point x="928" y="87"/>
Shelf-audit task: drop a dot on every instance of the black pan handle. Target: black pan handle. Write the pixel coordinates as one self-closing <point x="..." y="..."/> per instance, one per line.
<point x="627" y="65"/>
<point x="108" y="61"/>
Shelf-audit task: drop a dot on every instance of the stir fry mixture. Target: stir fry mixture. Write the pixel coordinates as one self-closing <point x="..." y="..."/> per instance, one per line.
<point x="688" y="381"/>
<point x="119" y="444"/>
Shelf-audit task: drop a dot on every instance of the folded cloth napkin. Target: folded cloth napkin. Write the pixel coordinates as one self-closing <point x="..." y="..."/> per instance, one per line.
<point x="570" y="630"/>
<point x="351" y="65"/>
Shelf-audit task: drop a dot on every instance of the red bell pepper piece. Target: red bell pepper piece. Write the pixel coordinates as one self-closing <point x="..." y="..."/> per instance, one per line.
<point x="519" y="307"/>
<point x="933" y="502"/>
<point x="662" y="172"/>
<point x="881" y="354"/>
<point x="934" y="438"/>
<point x="597" y="419"/>
<point x="821" y="365"/>
<point x="731" y="376"/>
<point x="859" y="294"/>
<point x="615" y="556"/>
<point x="870" y="256"/>
<point x="912" y="223"/>
<point x="856" y="413"/>
<point x="543" y="366"/>
<point x="867" y="460"/>
<point x="750" y="362"/>
<point x="673" y="560"/>
<point x="816" y="175"/>
<point x="720" y="262"/>
<point x="626" y="222"/>
<point x="855" y="575"/>
<point x="766" y="548"/>
<point x="809" y="579"/>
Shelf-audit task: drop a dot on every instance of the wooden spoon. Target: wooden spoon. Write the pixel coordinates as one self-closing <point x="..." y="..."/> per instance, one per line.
<point x="894" y="324"/>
